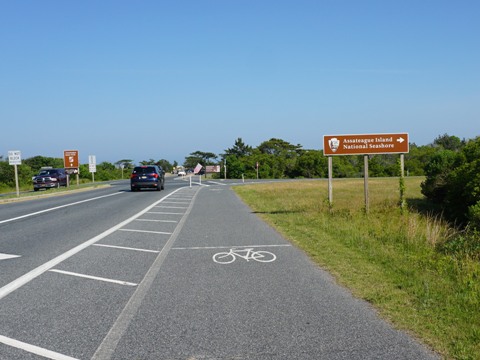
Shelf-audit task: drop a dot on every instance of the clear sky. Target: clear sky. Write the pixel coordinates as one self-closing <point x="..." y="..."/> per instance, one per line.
<point x="153" y="79"/>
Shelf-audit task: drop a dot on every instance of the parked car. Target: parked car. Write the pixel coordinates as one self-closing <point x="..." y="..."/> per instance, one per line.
<point x="181" y="173"/>
<point x="147" y="176"/>
<point x="49" y="178"/>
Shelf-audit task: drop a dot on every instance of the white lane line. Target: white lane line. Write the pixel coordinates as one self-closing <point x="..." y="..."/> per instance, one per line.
<point x="146" y="231"/>
<point x="126" y="248"/>
<point x="26" y="278"/>
<point x="229" y="247"/>
<point x="171" y="207"/>
<point x="164" y="213"/>
<point x="34" y="349"/>
<point x="7" y="256"/>
<point x="217" y="183"/>
<point x="57" y="207"/>
<point x="120" y="282"/>
<point x="154" y="220"/>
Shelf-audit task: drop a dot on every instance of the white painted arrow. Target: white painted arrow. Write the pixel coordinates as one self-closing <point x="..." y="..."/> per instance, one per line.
<point x="400" y="140"/>
<point x="7" y="256"/>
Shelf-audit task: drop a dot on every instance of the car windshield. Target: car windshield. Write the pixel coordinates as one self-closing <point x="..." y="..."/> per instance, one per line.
<point x="47" y="172"/>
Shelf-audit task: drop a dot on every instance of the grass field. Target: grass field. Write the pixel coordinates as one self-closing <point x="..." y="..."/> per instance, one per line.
<point x="387" y="257"/>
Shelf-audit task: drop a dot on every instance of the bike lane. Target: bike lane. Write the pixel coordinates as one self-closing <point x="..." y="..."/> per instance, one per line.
<point x="286" y="308"/>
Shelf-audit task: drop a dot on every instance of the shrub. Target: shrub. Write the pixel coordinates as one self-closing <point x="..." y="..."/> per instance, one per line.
<point x="453" y="181"/>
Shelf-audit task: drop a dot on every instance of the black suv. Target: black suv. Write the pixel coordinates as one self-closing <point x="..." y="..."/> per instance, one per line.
<point x="148" y="176"/>
<point x="49" y="178"/>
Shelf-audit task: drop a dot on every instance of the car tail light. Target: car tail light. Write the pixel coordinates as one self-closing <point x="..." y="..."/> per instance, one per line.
<point x="133" y="176"/>
<point x="155" y="175"/>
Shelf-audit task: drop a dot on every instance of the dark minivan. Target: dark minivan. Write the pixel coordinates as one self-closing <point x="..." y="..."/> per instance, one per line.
<point x="147" y="176"/>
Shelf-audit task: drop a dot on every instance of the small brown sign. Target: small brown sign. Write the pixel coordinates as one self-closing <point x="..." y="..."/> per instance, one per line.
<point x="365" y="144"/>
<point x="70" y="159"/>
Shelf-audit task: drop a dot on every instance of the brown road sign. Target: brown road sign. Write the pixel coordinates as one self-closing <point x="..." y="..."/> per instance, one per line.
<point x="70" y="159"/>
<point x="365" y="144"/>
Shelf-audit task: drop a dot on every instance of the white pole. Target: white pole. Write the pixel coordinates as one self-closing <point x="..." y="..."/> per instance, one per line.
<point x="16" y="180"/>
<point x="190" y="181"/>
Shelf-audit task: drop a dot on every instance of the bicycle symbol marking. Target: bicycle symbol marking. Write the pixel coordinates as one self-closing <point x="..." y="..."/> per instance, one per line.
<point x="247" y="254"/>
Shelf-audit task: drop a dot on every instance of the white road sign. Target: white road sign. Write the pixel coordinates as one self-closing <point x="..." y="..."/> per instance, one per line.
<point x="92" y="163"/>
<point x="15" y="157"/>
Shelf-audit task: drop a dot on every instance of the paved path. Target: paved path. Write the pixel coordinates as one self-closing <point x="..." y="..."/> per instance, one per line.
<point x="287" y="308"/>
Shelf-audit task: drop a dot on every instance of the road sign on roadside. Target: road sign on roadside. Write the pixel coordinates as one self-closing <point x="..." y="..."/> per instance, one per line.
<point x="365" y="144"/>
<point x="92" y="163"/>
<point x="14" y="157"/>
<point x="70" y="159"/>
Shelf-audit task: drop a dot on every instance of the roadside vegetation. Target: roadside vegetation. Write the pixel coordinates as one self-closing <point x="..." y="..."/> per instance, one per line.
<point x="272" y="159"/>
<point x="411" y="265"/>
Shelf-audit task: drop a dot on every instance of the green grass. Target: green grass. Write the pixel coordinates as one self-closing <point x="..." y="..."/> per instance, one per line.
<point x="26" y="193"/>
<point x="387" y="257"/>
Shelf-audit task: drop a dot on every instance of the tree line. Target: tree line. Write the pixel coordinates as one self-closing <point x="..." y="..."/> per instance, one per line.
<point x="451" y="167"/>
<point x="276" y="159"/>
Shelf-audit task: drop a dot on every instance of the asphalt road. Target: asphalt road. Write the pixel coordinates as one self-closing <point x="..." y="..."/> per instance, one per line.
<point x="185" y="273"/>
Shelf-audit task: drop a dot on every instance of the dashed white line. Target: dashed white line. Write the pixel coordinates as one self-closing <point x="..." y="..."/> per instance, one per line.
<point x="126" y="248"/>
<point x="164" y="213"/>
<point x="34" y="349"/>
<point x="146" y="231"/>
<point x="8" y="256"/>
<point x="218" y="183"/>
<point x="171" y="207"/>
<point x="155" y="220"/>
<point x="120" y="282"/>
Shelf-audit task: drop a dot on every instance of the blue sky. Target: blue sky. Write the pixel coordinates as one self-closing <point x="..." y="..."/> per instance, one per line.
<point x="161" y="79"/>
